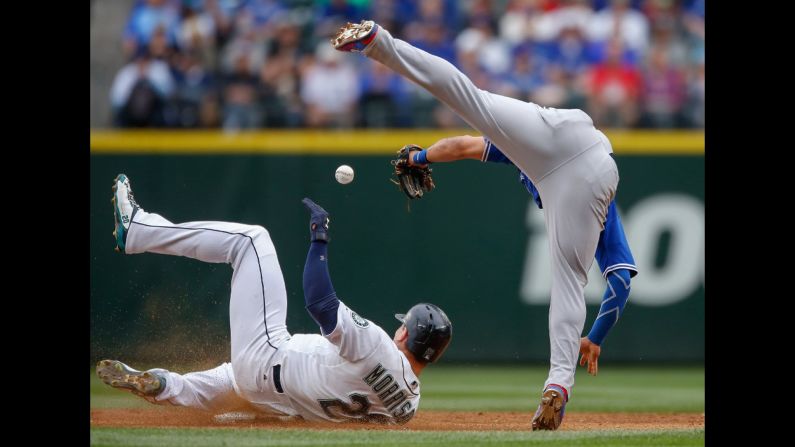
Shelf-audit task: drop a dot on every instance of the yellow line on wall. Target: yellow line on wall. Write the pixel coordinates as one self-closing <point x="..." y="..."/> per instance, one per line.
<point x="350" y="142"/>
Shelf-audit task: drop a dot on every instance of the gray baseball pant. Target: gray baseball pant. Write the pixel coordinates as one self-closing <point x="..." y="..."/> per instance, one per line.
<point x="564" y="155"/>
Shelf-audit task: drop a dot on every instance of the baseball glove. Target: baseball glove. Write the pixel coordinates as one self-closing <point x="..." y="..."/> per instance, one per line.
<point x="413" y="180"/>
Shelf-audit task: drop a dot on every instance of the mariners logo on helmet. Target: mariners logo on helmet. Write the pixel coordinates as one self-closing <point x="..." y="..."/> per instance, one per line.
<point x="430" y="331"/>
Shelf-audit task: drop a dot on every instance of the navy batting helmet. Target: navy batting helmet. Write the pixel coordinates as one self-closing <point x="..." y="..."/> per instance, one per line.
<point x="429" y="331"/>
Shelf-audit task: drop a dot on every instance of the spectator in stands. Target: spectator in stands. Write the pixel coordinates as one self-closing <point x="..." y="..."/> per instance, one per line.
<point x="194" y="85"/>
<point x="493" y="54"/>
<point x="695" y="32"/>
<point x="388" y="14"/>
<point x="570" y="51"/>
<point x="197" y="33"/>
<point x="570" y="14"/>
<point x="517" y="24"/>
<point x="614" y="89"/>
<point x="330" y="89"/>
<point x="432" y="37"/>
<point x="695" y="111"/>
<point x="264" y="16"/>
<point x="664" y="90"/>
<point x="524" y="77"/>
<point x="145" y="18"/>
<point x="427" y="13"/>
<point x="661" y="13"/>
<point x="140" y="90"/>
<point x="158" y="46"/>
<point x="241" y="108"/>
<point x="245" y="42"/>
<point x="280" y="77"/>
<point x="556" y="91"/>
<point x="622" y="21"/>
<point x="210" y="111"/>
<point x="244" y="63"/>
<point x="673" y="43"/>
<point x="384" y="97"/>
<point x="223" y="13"/>
<point x="434" y="11"/>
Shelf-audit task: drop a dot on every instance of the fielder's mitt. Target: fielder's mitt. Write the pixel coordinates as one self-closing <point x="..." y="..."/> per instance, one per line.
<point x="414" y="181"/>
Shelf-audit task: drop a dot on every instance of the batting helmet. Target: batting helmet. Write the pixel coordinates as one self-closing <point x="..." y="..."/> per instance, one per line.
<point x="429" y="331"/>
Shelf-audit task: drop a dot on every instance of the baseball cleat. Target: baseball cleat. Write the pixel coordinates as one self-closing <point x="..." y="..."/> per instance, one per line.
<point x="354" y="37"/>
<point x="550" y="411"/>
<point x="124" y="208"/>
<point x="318" y="221"/>
<point x="146" y="384"/>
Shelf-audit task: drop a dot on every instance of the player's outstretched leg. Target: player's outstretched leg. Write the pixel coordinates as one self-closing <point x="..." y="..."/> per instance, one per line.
<point x="430" y="72"/>
<point x="257" y="319"/>
<point x="531" y="141"/>
<point x="211" y="390"/>
<point x="147" y="384"/>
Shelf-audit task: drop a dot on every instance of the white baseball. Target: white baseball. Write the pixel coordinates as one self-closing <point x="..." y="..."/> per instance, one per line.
<point x="344" y="174"/>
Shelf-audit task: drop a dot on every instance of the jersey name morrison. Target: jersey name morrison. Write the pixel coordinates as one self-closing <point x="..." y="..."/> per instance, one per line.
<point x="389" y="393"/>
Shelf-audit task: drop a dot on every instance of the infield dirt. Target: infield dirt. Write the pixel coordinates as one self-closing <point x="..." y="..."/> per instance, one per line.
<point x="428" y="420"/>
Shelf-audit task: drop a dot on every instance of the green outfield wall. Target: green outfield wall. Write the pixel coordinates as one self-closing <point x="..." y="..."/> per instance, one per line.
<point x="475" y="246"/>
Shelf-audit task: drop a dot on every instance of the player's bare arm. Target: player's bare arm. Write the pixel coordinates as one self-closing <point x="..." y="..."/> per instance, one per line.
<point x="412" y="173"/>
<point x="590" y="355"/>
<point x="449" y="149"/>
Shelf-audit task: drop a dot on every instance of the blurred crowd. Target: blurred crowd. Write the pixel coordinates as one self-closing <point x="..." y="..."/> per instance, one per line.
<point x="246" y="64"/>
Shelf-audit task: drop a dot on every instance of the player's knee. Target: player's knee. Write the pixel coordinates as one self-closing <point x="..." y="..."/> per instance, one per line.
<point x="258" y="231"/>
<point x="248" y="237"/>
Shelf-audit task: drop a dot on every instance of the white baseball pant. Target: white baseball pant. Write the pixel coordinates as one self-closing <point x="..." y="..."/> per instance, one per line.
<point x="257" y="306"/>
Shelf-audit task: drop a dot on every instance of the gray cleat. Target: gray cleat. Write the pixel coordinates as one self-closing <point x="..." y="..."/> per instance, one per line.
<point x="146" y="384"/>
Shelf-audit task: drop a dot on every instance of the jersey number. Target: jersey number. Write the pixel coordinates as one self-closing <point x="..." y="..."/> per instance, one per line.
<point x="357" y="409"/>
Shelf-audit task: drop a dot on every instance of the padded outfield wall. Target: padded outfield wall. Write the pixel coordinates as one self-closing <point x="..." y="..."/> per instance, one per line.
<point x="476" y="246"/>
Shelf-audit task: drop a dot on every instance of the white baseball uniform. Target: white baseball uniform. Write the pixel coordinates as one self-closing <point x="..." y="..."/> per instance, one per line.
<point x="355" y="372"/>
<point x="564" y="155"/>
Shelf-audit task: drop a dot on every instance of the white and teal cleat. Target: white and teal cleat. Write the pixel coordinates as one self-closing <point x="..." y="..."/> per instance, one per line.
<point x="124" y="209"/>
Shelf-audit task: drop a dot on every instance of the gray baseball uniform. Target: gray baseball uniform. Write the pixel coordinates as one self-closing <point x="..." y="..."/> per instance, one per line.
<point x="564" y="155"/>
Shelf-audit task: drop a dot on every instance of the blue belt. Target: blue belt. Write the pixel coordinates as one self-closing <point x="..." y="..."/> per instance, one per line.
<point x="277" y="380"/>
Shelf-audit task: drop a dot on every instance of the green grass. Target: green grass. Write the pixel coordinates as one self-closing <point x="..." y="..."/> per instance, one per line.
<point x="517" y="389"/>
<point x="343" y="438"/>
<point x="614" y="389"/>
<point x="617" y="388"/>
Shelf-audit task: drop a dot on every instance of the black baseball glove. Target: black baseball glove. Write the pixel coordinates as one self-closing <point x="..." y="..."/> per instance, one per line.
<point x="413" y="180"/>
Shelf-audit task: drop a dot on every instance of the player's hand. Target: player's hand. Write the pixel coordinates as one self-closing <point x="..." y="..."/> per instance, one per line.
<point x="590" y="354"/>
<point x="413" y="179"/>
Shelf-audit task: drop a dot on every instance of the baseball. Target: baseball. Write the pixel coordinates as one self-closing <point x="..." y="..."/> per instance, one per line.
<point x="344" y="174"/>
